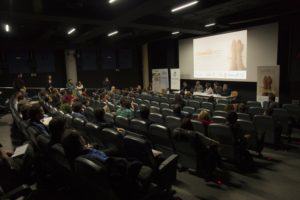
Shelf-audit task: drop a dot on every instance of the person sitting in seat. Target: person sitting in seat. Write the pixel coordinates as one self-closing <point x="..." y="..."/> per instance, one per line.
<point x="178" y="100"/>
<point x="177" y="110"/>
<point x="145" y="112"/>
<point x="225" y="90"/>
<point x="125" y="110"/>
<point x="99" y="119"/>
<point x="204" y="118"/>
<point x="198" y="87"/>
<point x="272" y="102"/>
<point x="36" y="114"/>
<point x="208" y="88"/>
<point x="77" y="111"/>
<point x="57" y="128"/>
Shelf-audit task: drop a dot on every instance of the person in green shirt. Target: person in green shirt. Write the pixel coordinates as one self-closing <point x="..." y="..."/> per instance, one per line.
<point x="125" y="110"/>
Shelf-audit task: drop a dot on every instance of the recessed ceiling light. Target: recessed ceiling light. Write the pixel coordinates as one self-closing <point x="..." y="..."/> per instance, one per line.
<point x="112" y="1"/>
<point x="175" y="33"/>
<point x="72" y="30"/>
<point x="6" y="27"/>
<point x="112" y="33"/>
<point x="181" y="7"/>
<point x="211" y="24"/>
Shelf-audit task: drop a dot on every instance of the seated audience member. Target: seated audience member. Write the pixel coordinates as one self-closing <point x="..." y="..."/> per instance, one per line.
<point x="225" y="90"/>
<point x="70" y="86"/>
<point x="178" y="100"/>
<point x="125" y="110"/>
<point x="68" y="97"/>
<point x="36" y="114"/>
<point x="204" y="118"/>
<point x="106" y="84"/>
<point x="208" y="88"/>
<point x="272" y="102"/>
<point x="79" y="87"/>
<point x="184" y="86"/>
<point x="177" y="110"/>
<point x="77" y="111"/>
<point x="217" y="88"/>
<point x="84" y="92"/>
<point x="19" y="82"/>
<point x="66" y="107"/>
<point x="18" y="98"/>
<point x="57" y="128"/>
<point x="144" y="112"/>
<point x="55" y="96"/>
<point x="24" y="111"/>
<point x="198" y="87"/>
<point x="99" y="119"/>
<point x="139" y="89"/>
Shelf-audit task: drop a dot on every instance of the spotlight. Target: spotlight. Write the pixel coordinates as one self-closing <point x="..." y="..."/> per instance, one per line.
<point x="72" y="30"/>
<point x="7" y="28"/>
<point x="175" y="33"/>
<point x="209" y="25"/>
<point x="181" y="7"/>
<point x="112" y="33"/>
<point x="112" y="1"/>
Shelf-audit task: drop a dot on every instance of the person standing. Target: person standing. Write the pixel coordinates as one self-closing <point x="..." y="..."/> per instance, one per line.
<point x="106" y="84"/>
<point x="70" y="86"/>
<point x="49" y="85"/>
<point x="19" y="82"/>
<point x="79" y="87"/>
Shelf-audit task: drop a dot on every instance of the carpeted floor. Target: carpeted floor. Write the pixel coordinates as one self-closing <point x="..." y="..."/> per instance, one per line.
<point x="278" y="177"/>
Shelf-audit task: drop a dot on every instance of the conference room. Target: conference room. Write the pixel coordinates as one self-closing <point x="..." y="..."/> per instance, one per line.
<point x="149" y="99"/>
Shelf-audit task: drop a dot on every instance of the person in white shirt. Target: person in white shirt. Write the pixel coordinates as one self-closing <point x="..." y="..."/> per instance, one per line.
<point x="208" y="88"/>
<point x="198" y="87"/>
<point x="79" y="87"/>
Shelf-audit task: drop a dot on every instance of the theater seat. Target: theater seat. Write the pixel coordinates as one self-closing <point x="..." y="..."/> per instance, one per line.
<point x="155" y="103"/>
<point x="78" y="123"/>
<point x="109" y="118"/>
<point x="249" y="129"/>
<point x="112" y="141"/>
<point x="161" y="139"/>
<point x="256" y="111"/>
<point x="194" y="103"/>
<point x="281" y="116"/>
<point x="220" y="107"/>
<point x="173" y="122"/>
<point x="189" y="109"/>
<point x="92" y="132"/>
<point x="167" y="112"/>
<point x="198" y="126"/>
<point x="220" y="113"/>
<point x="43" y="144"/>
<point x="265" y="128"/>
<point x="219" y="119"/>
<point x="154" y="109"/>
<point x="254" y="104"/>
<point x="207" y="105"/>
<point x="164" y="105"/>
<point x="244" y="116"/>
<point x="222" y="134"/>
<point x="89" y="113"/>
<point x="122" y="122"/>
<point x="156" y="118"/>
<point x="69" y="120"/>
<point x="139" y="126"/>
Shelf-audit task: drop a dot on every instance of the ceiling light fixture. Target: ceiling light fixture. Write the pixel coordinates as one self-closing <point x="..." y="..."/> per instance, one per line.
<point x="112" y="33"/>
<point x="184" y="6"/>
<point x="112" y="1"/>
<point x="175" y="33"/>
<point x="211" y="24"/>
<point x="7" y="27"/>
<point x="72" y="30"/>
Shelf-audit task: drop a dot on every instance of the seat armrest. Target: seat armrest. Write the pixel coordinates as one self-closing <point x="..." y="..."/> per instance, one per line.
<point x="167" y="171"/>
<point x="20" y="191"/>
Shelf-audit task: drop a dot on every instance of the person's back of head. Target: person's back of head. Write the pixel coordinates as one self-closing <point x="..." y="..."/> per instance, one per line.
<point x="36" y="112"/>
<point x="177" y="109"/>
<point x="99" y="114"/>
<point x="24" y="110"/>
<point x="144" y="111"/>
<point x="232" y="117"/>
<point x="77" y="107"/>
<point x="187" y="124"/>
<point x="203" y="115"/>
<point x="57" y="127"/>
<point x="73" y="144"/>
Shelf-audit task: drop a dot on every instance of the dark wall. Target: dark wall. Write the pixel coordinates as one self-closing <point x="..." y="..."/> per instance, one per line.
<point x="32" y="78"/>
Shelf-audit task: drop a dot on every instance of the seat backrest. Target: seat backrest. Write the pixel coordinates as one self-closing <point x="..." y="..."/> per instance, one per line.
<point x="109" y="118"/>
<point x="167" y="112"/>
<point x="280" y="114"/>
<point x="139" y="126"/>
<point x="155" y="103"/>
<point x="69" y="120"/>
<point x="194" y="103"/>
<point x="156" y="118"/>
<point x="122" y="122"/>
<point x="146" y="103"/>
<point x="254" y="104"/>
<point x="89" y="113"/>
<point x="111" y="107"/>
<point x="138" y="101"/>
<point x="140" y="149"/>
<point x="57" y="154"/>
<point x="33" y="133"/>
<point x="220" y="113"/>
<point x="256" y="111"/>
<point x="43" y="144"/>
<point x="223" y="134"/>
<point x="160" y="136"/>
<point x="244" y="116"/>
<point x="92" y="132"/>
<point x="189" y="109"/>
<point x="78" y="123"/>
<point x="173" y="122"/>
<point x="220" y="106"/>
<point x="208" y="106"/>
<point x="223" y="101"/>
<point x="247" y="126"/>
<point x="112" y="141"/>
<point x="164" y="105"/>
<point x="219" y="119"/>
<point x="198" y="126"/>
<point x="164" y="100"/>
<point x="265" y="127"/>
<point x="154" y="109"/>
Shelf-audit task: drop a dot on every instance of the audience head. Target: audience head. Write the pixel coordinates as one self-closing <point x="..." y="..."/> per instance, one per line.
<point x="106" y="79"/>
<point x="36" y="112"/>
<point x="57" y="128"/>
<point x="49" y="77"/>
<point x="207" y="85"/>
<point x="177" y="109"/>
<point x="197" y="82"/>
<point x="73" y="144"/>
<point x="20" y="75"/>
<point x="144" y="111"/>
<point x="225" y="87"/>
<point x="187" y="124"/>
<point x="203" y="115"/>
<point x="125" y="103"/>
<point x="232" y="117"/>
<point x="77" y="107"/>
<point x="99" y="114"/>
<point x="272" y="97"/>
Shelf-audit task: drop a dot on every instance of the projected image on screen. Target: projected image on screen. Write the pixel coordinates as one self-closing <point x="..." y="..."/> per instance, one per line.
<point x="221" y="57"/>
